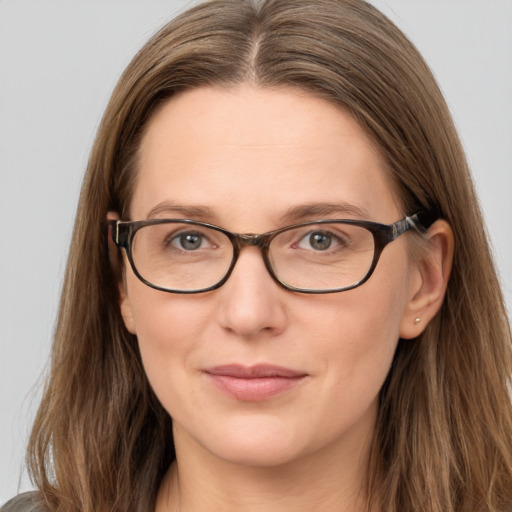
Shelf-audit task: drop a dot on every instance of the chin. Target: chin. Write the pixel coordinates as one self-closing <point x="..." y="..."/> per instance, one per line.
<point x="262" y="453"/>
<point x="261" y="441"/>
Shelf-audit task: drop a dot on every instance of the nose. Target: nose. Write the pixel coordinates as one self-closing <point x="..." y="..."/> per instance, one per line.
<point x="251" y="303"/>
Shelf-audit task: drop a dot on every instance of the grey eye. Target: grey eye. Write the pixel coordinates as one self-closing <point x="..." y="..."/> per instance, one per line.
<point x="188" y="241"/>
<point x="318" y="240"/>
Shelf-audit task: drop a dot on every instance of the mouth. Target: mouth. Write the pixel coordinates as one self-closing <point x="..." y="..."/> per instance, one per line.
<point x="253" y="383"/>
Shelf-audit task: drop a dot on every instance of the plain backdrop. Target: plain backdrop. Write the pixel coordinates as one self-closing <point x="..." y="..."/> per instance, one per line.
<point x="59" y="61"/>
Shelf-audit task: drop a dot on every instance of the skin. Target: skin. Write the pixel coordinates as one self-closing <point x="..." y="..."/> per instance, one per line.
<point x="249" y="155"/>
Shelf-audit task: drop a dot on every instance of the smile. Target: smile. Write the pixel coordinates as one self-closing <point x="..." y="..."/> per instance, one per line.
<point x="254" y="383"/>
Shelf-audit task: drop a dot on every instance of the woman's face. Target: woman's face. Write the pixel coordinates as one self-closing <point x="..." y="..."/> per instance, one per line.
<point x="252" y="373"/>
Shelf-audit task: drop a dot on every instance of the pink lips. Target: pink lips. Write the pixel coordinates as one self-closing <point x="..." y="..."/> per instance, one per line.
<point x="253" y="383"/>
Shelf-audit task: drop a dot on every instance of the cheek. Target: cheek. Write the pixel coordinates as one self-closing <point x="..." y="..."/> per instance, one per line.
<point x="168" y="329"/>
<point x="357" y="336"/>
<point x="363" y="319"/>
<point x="358" y="357"/>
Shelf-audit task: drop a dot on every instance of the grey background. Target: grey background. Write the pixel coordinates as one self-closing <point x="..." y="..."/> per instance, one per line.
<point x="59" y="61"/>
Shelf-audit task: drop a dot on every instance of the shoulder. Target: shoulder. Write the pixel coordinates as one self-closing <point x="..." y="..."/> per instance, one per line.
<point x="26" y="502"/>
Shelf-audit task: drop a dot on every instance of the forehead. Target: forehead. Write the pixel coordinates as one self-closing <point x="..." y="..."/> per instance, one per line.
<point x="248" y="155"/>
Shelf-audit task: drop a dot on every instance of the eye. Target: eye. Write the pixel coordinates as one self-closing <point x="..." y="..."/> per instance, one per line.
<point x="319" y="241"/>
<point x="188" y="241"/>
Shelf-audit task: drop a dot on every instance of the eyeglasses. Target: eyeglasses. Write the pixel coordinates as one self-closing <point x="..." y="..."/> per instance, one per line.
<point x="321" y="256"/>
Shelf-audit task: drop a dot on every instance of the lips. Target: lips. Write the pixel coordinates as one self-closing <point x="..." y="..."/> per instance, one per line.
<point x="254" y="383"/>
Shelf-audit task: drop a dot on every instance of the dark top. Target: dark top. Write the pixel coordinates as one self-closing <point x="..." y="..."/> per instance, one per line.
<point x="26" y="502"/>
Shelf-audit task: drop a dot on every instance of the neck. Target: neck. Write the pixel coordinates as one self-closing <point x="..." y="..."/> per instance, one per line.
<point x="327" y="481"/>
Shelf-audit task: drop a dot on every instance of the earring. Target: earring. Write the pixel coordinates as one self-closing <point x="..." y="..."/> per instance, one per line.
<point x="417" y="320"/>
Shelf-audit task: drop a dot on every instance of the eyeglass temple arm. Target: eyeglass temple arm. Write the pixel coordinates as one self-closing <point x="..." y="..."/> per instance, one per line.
<point x="420" y="222"/>
<point x="425" y="218"/>
<point x="116" y="232"/>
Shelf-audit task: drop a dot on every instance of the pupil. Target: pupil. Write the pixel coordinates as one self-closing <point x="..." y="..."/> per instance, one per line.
<point x="190" y="241"/>
<point x="320" y="241"/>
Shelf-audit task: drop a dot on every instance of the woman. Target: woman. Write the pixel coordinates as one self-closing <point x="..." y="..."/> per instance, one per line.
<point x="278" y="246"/>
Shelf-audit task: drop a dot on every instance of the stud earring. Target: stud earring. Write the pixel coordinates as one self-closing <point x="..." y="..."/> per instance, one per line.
<point x="417" y="320"/>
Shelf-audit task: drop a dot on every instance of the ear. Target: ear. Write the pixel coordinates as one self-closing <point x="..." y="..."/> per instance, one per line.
<point x="117" y="265"/>
<point x="429" y="280"/>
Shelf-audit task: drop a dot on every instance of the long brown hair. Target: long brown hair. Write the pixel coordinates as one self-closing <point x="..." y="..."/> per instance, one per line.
<point x="443" y="442"/>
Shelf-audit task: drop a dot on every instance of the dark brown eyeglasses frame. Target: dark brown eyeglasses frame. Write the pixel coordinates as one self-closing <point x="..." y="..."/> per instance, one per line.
<point x="123" y="232"/>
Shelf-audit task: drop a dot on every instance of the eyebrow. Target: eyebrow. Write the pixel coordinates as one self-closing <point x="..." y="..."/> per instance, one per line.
<point x="190" y="211"/>
<point x="308" y="211"/>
